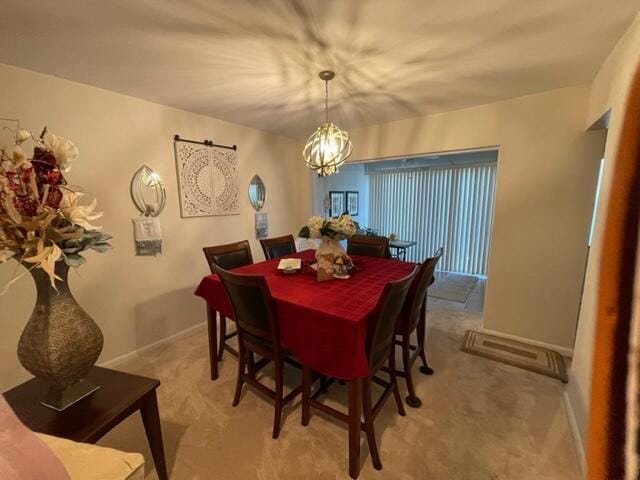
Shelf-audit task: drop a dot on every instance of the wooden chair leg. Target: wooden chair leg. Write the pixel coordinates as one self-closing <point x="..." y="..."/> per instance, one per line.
<point x="242" y="358"/>
<point x="277" y="417"/>
<point x="306" y="395"/>
<point x="251" y="365"/>
<point x="412" y="400"/>
<point x="223" y="334"/>
<point x="421" y="331"/>
<point x="213" y="341"/>
<point x="368" y="423"/>
<point x="393" y="379"/>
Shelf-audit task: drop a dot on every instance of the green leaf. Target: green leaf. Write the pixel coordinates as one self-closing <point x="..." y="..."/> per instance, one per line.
<point x="304" y="232"/>
<point x="74" y="260"/>
<point x="101" y="247"/>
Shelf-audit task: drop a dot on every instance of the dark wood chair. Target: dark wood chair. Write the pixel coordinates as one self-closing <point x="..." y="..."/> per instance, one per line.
<point x="278" y="246"/>
<point x="369" y="246"/>
<point x="380" y="350"/>
<point x="412" y="318"/>
<point x="229" y="256"/>
<point x="255" y="315"/>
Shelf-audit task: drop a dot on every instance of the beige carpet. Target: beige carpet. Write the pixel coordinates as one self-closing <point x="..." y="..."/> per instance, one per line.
<point x="452" y="286"/>
<point x="522" y="355"/>
<point x="479" y="420"/>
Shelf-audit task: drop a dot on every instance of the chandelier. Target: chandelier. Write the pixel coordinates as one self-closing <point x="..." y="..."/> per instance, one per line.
<point x="329" y="146"/>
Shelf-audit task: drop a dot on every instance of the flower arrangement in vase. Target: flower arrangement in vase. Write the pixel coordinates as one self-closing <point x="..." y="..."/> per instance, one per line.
<point x="45" y="227"/>
<point x="330" y="231"/>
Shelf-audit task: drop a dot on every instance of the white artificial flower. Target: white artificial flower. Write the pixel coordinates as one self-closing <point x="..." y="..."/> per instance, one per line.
<point x="64" y="150"/>
<point x="19" y="157"/>
<point x="22" y="136"/>
<point x="80" y="215"/>
<point x="315" y="223"/>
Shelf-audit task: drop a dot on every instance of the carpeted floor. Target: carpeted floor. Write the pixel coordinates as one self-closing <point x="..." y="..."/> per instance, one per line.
<point x="480" y="420"/>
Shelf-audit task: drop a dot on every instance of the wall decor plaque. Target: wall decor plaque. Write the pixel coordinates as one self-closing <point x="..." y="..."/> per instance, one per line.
<point x="207" y="179"/>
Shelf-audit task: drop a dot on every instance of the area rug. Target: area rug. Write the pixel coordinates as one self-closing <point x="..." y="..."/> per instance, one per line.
<point x="452" y="286"/>
<point x="529" y="357"/>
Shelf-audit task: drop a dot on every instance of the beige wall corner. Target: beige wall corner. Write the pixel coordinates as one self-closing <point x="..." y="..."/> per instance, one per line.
<point x="608" y="92"/>
<point x="138" y="300"/>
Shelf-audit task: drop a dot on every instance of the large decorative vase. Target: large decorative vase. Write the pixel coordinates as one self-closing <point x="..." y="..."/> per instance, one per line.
<point x="329" y="246"/>
<point x="60" y="342"/>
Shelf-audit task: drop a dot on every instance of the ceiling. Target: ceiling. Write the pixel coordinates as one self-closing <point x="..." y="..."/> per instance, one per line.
<point x="255" y="62"/>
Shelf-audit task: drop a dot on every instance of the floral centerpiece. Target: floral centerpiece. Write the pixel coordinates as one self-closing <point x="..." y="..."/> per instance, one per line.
<point x="45" y="227"/>
<point x="330" y="231"/>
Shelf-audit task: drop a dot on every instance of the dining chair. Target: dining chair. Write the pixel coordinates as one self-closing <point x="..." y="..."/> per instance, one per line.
<point x="228" y="256"/>
<point x="380" y="350"/>
<point x="413" y="318"/>
<point x="369" y="246"/>
<point x="257" y="324"/>
<point x="278" y="246"/>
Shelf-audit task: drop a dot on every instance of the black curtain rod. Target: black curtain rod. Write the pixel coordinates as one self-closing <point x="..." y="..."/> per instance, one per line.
<point x="206" y="143"/>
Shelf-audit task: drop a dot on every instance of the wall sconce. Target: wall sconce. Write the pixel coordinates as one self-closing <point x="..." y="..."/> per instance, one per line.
<point x="148" y="192"/>
<point x="149" y="196"/>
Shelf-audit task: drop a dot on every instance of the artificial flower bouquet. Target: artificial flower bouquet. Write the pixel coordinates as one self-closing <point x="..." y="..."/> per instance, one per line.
<point x="41" y="218"/>
<point x="331" y="231"/>
<point x="335" y="228"/>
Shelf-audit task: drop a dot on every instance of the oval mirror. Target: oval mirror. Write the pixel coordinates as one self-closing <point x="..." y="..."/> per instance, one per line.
<point x="257" y="193"/>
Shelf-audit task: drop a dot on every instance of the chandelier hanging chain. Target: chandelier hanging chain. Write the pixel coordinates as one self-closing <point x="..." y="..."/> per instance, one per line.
<point x="326" y="101"/>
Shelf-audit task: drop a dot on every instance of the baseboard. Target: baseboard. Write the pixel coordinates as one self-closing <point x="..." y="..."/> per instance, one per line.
<point x="114" y="362"/>
<point x="567" y="352"/>
<point x="575" y="433"/>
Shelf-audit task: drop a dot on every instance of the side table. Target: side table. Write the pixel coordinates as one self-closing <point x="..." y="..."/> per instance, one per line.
<point x="120" y="394"/>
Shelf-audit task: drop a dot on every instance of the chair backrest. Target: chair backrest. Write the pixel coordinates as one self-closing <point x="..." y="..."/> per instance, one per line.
<point x="229" y="256"/>
<point x="278" y="246"/>
<point x="369" y="246"/>
<point x="412" y="308"/>
<point x="382" y="324"/>
<point x="253" y="307"/>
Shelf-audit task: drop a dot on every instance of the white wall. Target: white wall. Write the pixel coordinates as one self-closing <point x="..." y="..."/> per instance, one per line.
<point x="547" y="169"/>
<point x="350" y="177"/>
<point x="608" y="92"/>
<point x="138" y="300"/>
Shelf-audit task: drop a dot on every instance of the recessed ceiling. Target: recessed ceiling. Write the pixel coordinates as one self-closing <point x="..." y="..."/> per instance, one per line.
<point x="256" y="62"/>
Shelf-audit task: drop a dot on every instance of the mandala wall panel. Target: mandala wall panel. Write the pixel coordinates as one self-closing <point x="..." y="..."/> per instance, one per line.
<point x="207" y="180"/>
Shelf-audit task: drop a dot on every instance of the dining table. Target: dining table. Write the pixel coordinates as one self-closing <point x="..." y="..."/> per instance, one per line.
<point x="322" y="324"/>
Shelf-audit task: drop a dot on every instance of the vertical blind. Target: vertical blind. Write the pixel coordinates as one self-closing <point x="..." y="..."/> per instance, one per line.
<point x="450" y="207"/>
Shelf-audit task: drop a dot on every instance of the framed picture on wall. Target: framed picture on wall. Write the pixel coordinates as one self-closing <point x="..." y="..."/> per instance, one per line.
<point x="352" y="203"/>
<point x="336" y="203"/>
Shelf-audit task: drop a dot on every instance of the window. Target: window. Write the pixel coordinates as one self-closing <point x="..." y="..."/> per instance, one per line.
<point x="437" y="206"/>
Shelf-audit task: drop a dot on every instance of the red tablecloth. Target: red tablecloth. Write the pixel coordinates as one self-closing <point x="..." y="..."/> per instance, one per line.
<point x="323" y="324"/>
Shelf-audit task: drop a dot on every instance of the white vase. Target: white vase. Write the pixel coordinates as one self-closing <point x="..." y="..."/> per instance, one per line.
<point x="329" y="245"/>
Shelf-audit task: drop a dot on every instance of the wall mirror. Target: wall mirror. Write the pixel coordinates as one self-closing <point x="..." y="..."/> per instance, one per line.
<point x="257" y="193"/>
<point x="148" y="192"/>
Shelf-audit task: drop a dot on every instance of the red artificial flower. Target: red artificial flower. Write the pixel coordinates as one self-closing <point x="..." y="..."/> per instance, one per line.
<point x="44" y="156"/>
<point x="13" y="185"/>
<point x="26" y="205"/>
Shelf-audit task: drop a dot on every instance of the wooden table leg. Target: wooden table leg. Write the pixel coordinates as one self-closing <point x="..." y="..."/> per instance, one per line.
<point x="151" y="421"/>
<point x="213" y="342"/>
<point x="355" y="401"/>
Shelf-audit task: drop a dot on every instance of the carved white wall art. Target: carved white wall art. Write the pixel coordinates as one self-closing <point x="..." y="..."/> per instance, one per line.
<point x="207" y="180"/>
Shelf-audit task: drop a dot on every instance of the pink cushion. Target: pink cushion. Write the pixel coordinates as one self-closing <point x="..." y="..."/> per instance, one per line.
<point x="23" y="456"/>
